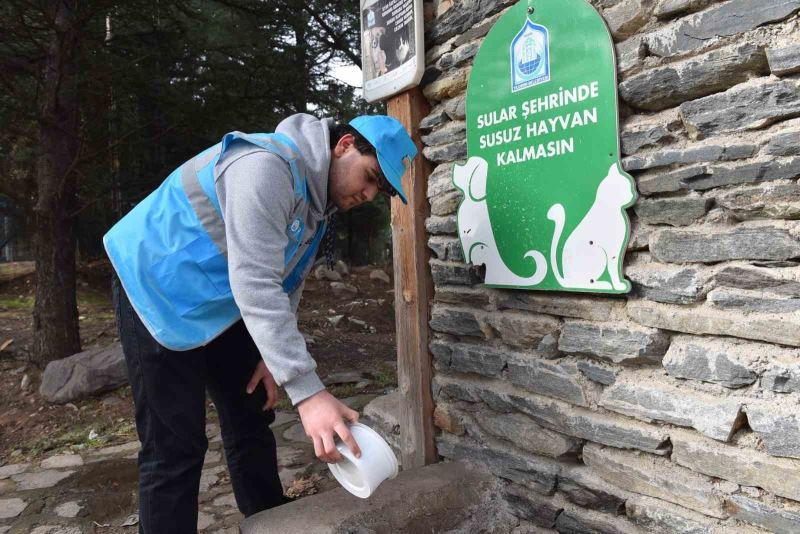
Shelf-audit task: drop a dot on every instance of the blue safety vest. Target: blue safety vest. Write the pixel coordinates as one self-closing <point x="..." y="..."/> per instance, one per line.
<point x="170" y="251"/>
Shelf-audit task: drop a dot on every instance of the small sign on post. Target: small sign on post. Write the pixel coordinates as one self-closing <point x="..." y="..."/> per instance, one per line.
<point x="392" y="46"/>
<point x="544" y="191"/>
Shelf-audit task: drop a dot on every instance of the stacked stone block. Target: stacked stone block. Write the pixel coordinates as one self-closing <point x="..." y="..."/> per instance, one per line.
<point x="675" y="408"/>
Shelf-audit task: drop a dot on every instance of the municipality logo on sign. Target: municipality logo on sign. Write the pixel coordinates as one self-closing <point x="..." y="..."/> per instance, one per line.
<point x="530" y="57"/>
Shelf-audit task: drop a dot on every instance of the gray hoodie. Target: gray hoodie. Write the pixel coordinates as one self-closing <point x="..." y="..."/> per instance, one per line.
<point x="257" y="198"/>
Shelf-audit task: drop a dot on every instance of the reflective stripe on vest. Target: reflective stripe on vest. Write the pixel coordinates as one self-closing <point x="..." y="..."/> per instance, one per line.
<point x="295" y="278"/>
<point x="208" y="212"/>
<point x="201" y="192"/>
<point x="171" y="253"/>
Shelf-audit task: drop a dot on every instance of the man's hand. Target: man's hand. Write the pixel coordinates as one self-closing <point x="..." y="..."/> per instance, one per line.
<point x="322" y="415"/>
<point x="262" y="374"/>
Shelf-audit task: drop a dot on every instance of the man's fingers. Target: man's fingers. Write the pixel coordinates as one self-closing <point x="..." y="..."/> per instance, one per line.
<point x="272" y="392"/>
<point x="319" y="452"/>
<point x="348" y="439"/>
<point x="331" y="452"/>
<point x="266" y="388"/>
<point x="351" y="416"/>
<point x="254" y="380"/>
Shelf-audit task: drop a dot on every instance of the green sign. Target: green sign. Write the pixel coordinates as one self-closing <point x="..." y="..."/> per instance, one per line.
<point x="544" y="192"/>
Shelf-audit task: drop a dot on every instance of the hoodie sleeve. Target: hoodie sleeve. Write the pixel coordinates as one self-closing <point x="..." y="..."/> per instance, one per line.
<point x="256" y="197"/>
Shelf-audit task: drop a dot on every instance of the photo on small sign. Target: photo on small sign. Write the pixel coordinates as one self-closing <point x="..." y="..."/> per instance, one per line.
<point x="388" y="36"/>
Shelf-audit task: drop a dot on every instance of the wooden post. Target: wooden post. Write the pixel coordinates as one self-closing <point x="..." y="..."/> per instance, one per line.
<point x="413" y="291"/>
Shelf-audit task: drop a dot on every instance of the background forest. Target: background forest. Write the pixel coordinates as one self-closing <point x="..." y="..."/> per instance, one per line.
<point x="102" y="99"/>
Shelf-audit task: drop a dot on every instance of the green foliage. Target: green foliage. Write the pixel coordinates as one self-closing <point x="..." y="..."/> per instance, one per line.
<point x="343" y="391"/>
<point x="386" y="376"/>
<point x="77" y="438"/>
<point x="19" y="303"/>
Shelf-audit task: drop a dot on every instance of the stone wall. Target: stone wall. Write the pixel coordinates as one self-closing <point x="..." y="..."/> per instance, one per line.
<point x="675" y="408"/>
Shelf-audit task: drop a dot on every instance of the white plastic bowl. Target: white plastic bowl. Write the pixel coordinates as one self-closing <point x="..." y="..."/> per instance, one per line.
<point x="362" y="476"/>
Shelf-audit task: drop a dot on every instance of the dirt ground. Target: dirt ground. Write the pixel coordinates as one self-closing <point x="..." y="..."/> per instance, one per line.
<point x="343" y="333"/>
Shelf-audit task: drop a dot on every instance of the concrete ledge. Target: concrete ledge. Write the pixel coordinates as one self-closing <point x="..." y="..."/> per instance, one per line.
<point x="434" y="498"/>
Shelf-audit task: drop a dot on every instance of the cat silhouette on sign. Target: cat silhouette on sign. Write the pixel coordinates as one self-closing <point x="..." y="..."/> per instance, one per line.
<point x="475" y="229"/>
<point x="597" y="244"/>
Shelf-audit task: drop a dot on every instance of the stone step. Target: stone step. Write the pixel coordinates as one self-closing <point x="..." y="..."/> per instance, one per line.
<point x="428" y="499"/>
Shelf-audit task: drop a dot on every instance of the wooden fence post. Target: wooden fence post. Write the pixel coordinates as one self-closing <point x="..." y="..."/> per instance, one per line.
<point x="413" y="291"/>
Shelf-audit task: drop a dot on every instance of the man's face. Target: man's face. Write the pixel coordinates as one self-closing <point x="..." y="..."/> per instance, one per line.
<point x="353" y="177"/>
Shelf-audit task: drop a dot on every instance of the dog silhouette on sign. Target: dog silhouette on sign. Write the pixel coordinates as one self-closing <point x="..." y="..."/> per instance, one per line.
<point x="475" y="229"/>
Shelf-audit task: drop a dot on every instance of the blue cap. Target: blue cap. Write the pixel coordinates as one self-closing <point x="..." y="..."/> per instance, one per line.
<point x="393" y="145"/>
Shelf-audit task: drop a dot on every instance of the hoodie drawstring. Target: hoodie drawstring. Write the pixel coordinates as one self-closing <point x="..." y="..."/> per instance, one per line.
<point x="329" y="242"/>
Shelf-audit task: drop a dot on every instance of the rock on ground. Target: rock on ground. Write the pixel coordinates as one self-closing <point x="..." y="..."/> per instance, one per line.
<point x="378" y="274"/>
<point x="86" y="373"/>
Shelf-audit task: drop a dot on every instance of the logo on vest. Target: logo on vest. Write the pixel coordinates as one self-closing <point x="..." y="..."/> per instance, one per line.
<point x="530" y="57"/>
<point x="296" y="229"/>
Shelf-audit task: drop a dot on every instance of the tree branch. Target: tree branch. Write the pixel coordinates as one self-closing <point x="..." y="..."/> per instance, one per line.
<point x="337" y="39"/>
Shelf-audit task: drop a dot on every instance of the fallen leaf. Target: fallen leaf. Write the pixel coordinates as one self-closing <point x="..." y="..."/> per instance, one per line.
<point x="304" y="486"/>
<point x="6" y="344"/>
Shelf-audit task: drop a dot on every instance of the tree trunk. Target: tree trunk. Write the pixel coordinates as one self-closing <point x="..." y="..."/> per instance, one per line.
<point x="55" y="313"/>
<point x="300" y="52"/>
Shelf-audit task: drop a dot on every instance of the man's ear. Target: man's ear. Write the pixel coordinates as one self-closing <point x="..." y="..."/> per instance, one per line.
<point x="345" y="142"/>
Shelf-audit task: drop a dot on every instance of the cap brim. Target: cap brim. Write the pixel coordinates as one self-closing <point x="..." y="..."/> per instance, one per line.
<point x="394" y="177"/>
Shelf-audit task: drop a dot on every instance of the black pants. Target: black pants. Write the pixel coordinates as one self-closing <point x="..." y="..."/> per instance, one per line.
<point x="169" y="391"/>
